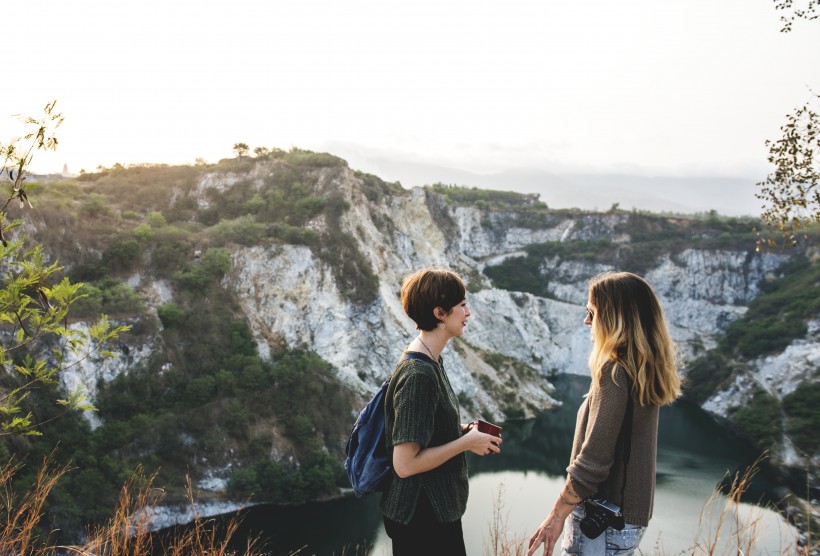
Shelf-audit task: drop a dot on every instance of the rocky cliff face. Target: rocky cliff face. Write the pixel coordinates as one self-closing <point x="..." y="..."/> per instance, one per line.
<point x="779" y="375"/>
<point x="514" y="342"/>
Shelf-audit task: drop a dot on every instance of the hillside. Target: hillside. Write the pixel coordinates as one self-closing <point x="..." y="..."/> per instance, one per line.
<point x="263" y="299"/>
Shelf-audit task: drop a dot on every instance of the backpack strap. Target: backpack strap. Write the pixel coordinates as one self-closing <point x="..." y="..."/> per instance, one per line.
<point x="418" y="356"/>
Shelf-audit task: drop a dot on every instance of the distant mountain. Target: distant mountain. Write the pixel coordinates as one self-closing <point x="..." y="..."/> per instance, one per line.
<point x="731" y="196"/>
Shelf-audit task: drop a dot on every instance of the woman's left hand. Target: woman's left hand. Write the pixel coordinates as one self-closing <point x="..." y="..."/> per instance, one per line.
<point x="547" y="534"/>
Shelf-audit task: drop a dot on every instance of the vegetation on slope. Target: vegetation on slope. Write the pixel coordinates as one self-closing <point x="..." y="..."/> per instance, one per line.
<point x="775" y="318"/>
<point x="488" y="199"/>
<point x="205" y="399"/>
<point x="150" y="218"/>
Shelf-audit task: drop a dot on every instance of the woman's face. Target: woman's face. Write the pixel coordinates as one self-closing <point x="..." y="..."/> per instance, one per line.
<point x="456" y="319"/>
<point x="590" y="315"/>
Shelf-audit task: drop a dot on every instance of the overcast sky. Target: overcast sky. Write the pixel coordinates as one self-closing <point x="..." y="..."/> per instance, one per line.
<point x="671" y="87"/>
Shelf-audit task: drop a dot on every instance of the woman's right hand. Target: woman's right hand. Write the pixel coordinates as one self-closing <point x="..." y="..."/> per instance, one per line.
<point x="481" y="443"/>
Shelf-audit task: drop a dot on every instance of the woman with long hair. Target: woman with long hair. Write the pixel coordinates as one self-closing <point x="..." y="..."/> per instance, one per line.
<point x="424" y="502"/>
<point x="634" y="372"/>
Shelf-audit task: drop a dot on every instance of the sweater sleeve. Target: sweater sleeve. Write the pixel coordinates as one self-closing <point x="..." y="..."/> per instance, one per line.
<point x="414" y="404"/>
<point x="607" y="408"/>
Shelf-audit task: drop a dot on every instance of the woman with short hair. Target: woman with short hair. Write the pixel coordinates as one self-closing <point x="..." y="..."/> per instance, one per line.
<point x="427" y="495"/>
<point x="634" y="372"/>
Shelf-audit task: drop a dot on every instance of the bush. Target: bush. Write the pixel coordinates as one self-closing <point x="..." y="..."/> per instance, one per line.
<point x="272" y="480"/>
<point x="237" y="419"/>
<point x="802" y="408"/>
<point x="243" y="482"/>
<point x="108" y="296"/>
<point x="760" y="419"/>
<point x="171" y="315"/>
<point x="173" y="248"/>
<point x="199" y="390"/>
<point x="155" y="219"/>
<point x="143" y="232"/>
<point x="244" y="230"/>
<point x="375" y="189"/>
<point x="299" y="157"/>
<point x="293" y="235"/>
<point x="123" y="255"/>
<point x="708" y="374"/>
<point x="95" y="206"/>
<point x="519" y="274"/>
<point x="486" y="199"/>
<point x="213" y="266"/>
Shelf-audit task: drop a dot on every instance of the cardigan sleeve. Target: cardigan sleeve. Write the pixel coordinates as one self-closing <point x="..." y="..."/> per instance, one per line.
<point x="414" y="404"/>
<point x="607" y="408"/>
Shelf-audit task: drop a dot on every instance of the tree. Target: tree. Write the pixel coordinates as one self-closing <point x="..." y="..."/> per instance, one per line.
<point x="791" y="12"/>
<point x="240" y="149"/>
<point x="791" y="193"/>
<point x="261" y="151"/>
<point x="36" y="343"/>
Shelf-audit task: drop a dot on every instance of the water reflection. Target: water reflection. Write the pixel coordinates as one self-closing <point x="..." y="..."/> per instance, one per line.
<point x="315" y="528"/>
<point x="694" y="454"/>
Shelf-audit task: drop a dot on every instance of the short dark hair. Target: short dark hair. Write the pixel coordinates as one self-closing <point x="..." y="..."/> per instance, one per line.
<point x="428" y="288"/>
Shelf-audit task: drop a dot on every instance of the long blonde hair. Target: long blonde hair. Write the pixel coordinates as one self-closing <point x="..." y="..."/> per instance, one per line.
<point x="629" y="329"/>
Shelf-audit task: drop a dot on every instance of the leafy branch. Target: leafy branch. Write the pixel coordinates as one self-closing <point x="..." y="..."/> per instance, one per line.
<point x="790" y="194"/>
<point x="33" y="311"/>
<point x="809" y="12"/>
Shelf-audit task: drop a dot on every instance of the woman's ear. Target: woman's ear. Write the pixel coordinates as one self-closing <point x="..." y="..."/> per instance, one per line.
<point x="439" y="313"/>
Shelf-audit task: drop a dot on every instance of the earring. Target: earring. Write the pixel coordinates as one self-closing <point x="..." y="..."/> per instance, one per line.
<point x="441" y="325"/>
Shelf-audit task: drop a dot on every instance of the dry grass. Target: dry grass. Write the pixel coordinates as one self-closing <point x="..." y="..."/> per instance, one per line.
<point x="745" y="532"/>
<point x="499" y="541"/>
<point x="21" y="515"/>
<point x="128" y="533"/>
<point x="724" y="527"/>
<point x="723" y="530"/>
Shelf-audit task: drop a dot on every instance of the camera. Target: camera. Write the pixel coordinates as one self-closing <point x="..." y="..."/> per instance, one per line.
<point x="600" y="514"/>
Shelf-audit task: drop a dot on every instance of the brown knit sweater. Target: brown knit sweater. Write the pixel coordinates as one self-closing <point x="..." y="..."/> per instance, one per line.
<point x="596" y="464"/>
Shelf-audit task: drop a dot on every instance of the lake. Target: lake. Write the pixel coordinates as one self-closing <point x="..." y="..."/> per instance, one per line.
<point x="520" y="485"/>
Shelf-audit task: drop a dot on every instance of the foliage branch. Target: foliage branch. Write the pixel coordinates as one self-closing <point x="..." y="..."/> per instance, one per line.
<point x="791" y="193"/>
<point x="810" y="11"/>
<point x="36" y="343"/>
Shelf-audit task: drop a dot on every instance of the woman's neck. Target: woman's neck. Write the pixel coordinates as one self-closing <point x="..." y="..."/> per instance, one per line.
<point x="433" y="342"/>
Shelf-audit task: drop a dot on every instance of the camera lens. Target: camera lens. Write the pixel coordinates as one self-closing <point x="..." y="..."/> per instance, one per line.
<point x="594" y="524"/>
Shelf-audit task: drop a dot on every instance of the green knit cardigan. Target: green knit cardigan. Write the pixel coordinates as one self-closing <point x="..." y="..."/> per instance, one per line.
<point x="420" y="406"/>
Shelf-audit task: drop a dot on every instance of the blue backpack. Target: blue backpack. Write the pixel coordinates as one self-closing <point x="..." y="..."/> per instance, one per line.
<point x="368" y="464"/>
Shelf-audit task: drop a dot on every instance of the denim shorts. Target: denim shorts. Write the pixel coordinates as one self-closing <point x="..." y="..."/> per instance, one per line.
<point x="610" y="543"/>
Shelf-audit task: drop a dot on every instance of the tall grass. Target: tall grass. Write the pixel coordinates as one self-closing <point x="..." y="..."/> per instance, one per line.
<point x="21" y="515"/>
<point x="499" y="542"/>
<point x="745" y="531"/>
<point x="724" y="529"/>
<point x="24" y="531"/>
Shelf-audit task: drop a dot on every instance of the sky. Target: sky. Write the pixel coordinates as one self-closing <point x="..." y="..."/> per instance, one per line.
<point x="637" y="87"/>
